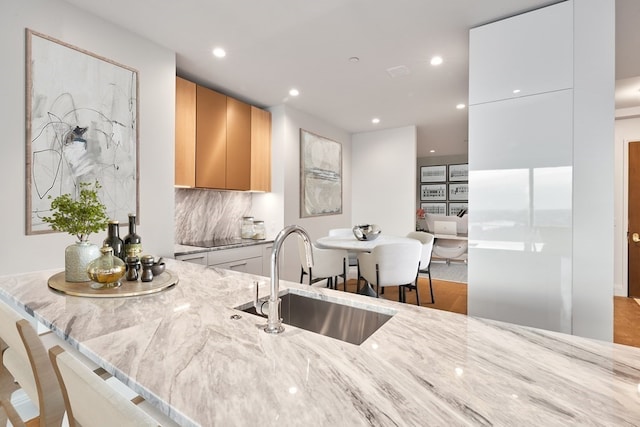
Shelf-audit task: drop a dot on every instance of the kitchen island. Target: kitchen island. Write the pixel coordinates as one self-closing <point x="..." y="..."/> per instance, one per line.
<point x="186" y="351"/>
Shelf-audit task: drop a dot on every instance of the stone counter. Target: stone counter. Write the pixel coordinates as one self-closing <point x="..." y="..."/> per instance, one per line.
<point x="183" y="351"/>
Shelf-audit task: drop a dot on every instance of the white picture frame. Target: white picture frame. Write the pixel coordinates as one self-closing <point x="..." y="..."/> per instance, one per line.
<point x="459" y="172"/>
<point x="433" y="192"/>
<point x="433" y="173"/>
<point x="459" y="191"/>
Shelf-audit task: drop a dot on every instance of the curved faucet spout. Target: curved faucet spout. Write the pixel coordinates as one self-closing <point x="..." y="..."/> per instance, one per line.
<point x="274" y="324"/>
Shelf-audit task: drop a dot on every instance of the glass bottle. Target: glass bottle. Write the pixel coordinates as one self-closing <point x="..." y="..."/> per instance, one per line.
<point x="106" y="270"/>
<point x="113" y="239"/>
<point x="132" y="241"/>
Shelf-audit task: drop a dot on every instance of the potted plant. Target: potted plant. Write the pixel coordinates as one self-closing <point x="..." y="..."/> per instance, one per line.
<point x="79" y="217"/>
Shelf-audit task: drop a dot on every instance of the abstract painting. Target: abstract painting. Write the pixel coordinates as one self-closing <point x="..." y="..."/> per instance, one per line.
<point x="320" y="175"/>
<point x="82" y="126"/>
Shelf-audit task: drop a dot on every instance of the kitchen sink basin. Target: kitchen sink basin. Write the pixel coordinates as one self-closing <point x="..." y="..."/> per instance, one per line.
<point x="332" y="319"/>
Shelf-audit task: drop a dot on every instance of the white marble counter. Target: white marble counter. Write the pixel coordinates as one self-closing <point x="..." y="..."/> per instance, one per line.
<point x="181" y="350"/>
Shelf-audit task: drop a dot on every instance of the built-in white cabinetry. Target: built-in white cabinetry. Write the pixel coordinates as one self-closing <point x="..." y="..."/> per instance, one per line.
<point x="536" y="211"/>
<point x="197" y="258"/>
<point x="246" y="259"/>
<point x="266" y="259"/>
<point x="523" y="55"/>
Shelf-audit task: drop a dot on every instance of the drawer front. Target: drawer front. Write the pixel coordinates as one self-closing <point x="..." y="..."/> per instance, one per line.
<point x="199" y="258"/>
<point x="230" y="255"/>
<point x="246" y="265"/>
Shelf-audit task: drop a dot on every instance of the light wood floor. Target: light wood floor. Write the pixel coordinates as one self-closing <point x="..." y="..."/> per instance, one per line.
<point x="452" y="296"/>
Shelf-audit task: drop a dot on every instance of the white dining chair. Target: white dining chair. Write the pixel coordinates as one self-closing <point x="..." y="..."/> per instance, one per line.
<point x="91" y="401"/>
<point x="353" y="257"/>
<point x="328" y="264"/>
<point x="426" y="240"/>
<point x="392" y="264"/>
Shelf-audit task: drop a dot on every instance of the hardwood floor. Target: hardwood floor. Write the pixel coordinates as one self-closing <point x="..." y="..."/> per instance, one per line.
<point x="452" y="296"/>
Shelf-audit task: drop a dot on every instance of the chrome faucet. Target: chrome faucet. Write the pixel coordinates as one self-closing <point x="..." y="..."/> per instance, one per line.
<point x="274" y="323"/>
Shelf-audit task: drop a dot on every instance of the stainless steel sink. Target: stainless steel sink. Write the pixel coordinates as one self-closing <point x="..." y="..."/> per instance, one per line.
<point x="332" y="319"/>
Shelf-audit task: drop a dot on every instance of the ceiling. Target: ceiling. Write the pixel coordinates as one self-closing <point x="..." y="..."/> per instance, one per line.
<point x="275" y="45"/>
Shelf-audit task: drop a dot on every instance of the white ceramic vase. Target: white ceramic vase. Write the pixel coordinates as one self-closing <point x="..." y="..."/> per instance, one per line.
<point x="76" y="259"/>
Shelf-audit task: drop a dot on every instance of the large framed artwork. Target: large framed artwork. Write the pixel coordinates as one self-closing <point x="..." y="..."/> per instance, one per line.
<point x="320" y="175"/>
<point x="82" y="126"/>
<point x="433" y="173"/>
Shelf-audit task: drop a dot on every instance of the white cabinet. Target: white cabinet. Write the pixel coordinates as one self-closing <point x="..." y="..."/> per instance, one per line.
<point x="247" y="259"/>
<point x="529" y="53"/>
<point x="197" y="258"/>
<point x="266" y="259"/>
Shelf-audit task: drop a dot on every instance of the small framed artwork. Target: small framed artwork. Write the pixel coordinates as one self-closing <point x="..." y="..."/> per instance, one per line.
<point x="455" y="208"/>
<point x="459" y="172"/>
<point x="433" y="192"/>
<point x="459" y="191"/>
<point x="433" y="173"/>
<point x="434" y="208"/>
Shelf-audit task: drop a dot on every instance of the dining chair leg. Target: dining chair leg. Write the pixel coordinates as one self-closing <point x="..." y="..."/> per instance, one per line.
<point x="417" y="292"/>
<point x="433" y="300"/>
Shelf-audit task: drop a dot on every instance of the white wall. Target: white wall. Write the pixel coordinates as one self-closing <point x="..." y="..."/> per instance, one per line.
<point x="627" y="129"/>
<point x="384" y="179"/>
<point x="285" y="197"/>
<point x="156" y="67"/>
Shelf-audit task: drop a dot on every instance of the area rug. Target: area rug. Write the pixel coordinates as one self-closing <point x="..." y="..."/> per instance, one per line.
<point x="453" y="272"/>
<point x="637" y="300"/>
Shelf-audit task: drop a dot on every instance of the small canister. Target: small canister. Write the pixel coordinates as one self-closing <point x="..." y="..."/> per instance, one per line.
<point x="258" y="230"/>
<point x="147" y="265"/>
<point x="246" y="231"/>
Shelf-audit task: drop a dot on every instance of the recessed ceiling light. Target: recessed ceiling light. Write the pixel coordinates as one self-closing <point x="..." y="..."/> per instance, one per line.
<point x="354" y="59"/>
<point x="219" y="52"/>
<point x="436" y="60"/>
<point x="516" y="91"/>
<point x="432" y="151"/>
<point x="375" y="120"/>
<point x="460" y="106"/>
<point x="294" y="92"/>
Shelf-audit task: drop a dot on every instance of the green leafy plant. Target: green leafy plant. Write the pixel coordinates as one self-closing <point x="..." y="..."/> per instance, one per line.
<point x="79" y="217"/>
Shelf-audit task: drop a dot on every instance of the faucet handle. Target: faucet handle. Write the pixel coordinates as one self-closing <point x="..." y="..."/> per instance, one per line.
<point x="258" y="303"/>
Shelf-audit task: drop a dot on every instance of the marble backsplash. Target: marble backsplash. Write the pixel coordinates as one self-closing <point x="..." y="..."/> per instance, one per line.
<point x="209" y="214"/>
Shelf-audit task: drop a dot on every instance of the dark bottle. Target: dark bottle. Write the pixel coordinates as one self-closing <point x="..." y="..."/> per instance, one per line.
<point x="132" y="241"/>
<point x="113" y="239"/>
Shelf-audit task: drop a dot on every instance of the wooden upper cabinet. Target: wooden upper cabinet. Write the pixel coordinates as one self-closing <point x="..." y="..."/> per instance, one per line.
<point x="211" y="138"/>
<point x="185" y="155"/>
<point x="260" y="149"/>
<point x="221" y="143"/>
<point x="238" y="145"/>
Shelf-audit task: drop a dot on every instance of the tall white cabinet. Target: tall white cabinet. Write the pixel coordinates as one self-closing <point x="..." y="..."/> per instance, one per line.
<point x="528" y="141"/>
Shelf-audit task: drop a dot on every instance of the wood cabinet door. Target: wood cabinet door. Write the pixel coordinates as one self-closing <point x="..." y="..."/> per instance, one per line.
<point x="185" y="144"/>
<point x="238" y="145"/>
<point x="211" y="138"/>
<point x="260" y="149"/>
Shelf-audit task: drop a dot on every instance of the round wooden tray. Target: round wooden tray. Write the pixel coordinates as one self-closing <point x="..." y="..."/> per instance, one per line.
<point x="159" y="283"/>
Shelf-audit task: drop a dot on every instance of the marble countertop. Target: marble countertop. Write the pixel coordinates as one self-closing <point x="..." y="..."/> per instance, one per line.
<point x="183" y="351"/>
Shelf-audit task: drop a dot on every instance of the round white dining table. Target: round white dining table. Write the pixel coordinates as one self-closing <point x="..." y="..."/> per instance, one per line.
<point x="351" y="244"/>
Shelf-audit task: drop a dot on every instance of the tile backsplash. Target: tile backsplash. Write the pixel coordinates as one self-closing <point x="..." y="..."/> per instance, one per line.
<point x="209" y="214"/>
